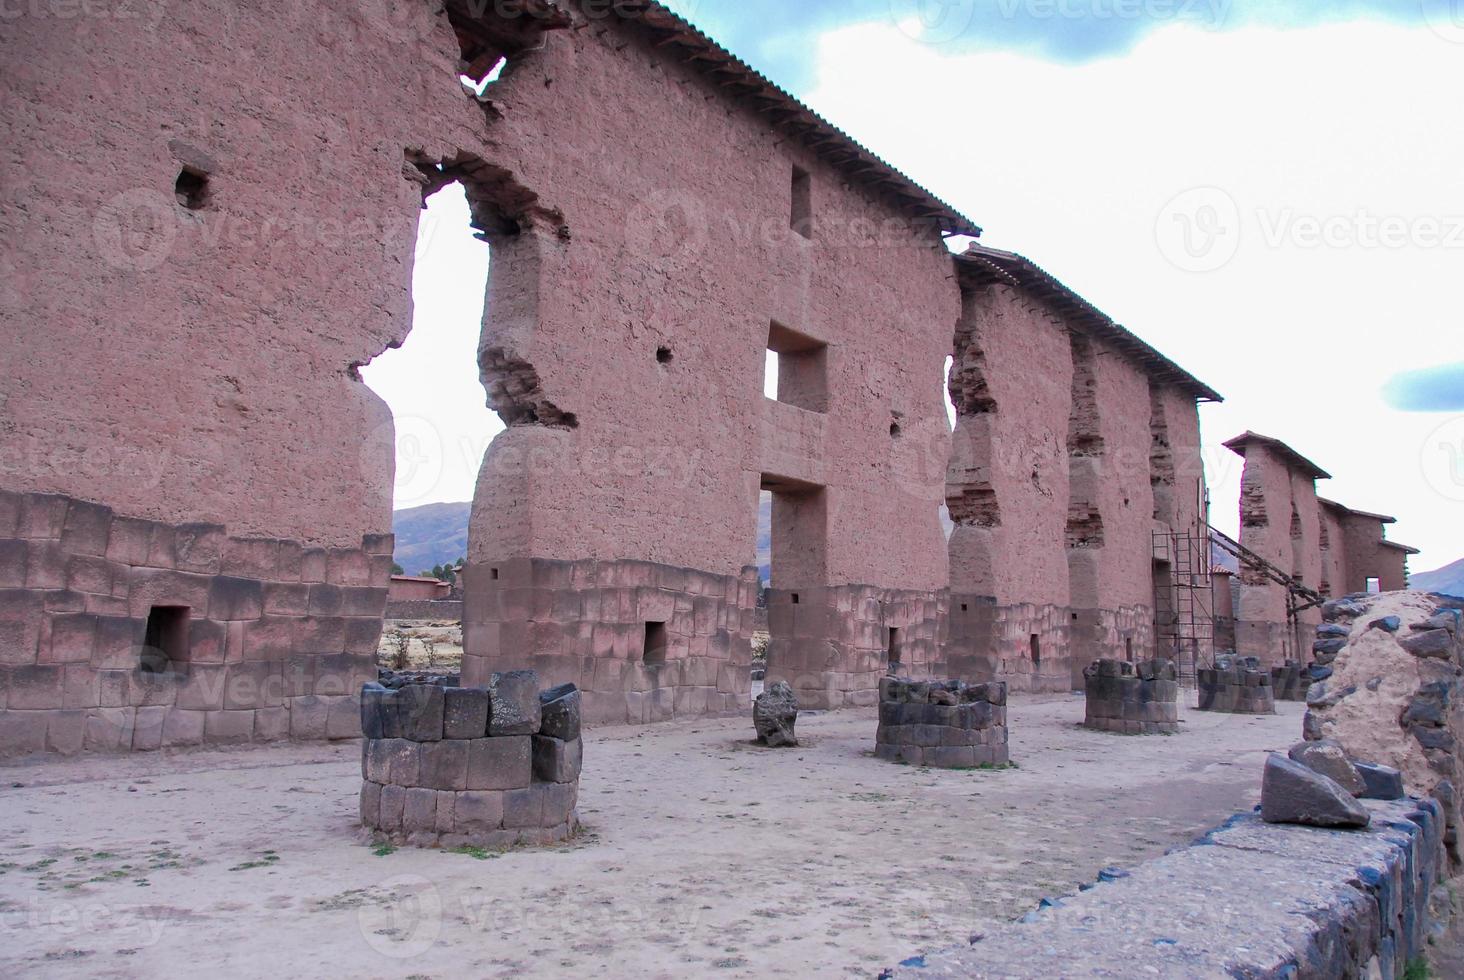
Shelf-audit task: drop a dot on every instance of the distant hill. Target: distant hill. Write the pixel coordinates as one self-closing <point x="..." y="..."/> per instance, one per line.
<point x="1448" y="580"/>
<point x="434" y="534"/>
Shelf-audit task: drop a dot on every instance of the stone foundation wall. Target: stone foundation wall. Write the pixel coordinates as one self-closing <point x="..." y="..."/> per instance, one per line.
<point x="589" y="623"/>
<point x="451" y="766"/>
<point x="264" y="639"/>
<point x="1289" y="682"/>
<point x="1239" y="687"/>
<point x="1132" y="699"/>
<point x="991" y="642"/>
<point x="944" y="725"/>
<point x="1126" y="633"/>
<point x="832" y="644"/>
<point x="436" y="609"/>
<point x="1336" y="904"/>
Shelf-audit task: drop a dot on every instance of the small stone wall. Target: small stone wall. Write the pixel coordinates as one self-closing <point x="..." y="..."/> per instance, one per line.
<point x="485" y="767"/>
<point x="942" y="724"/>
<point x="446" y="610"/>
<point x="1132" y="699"/>
<point x="1237" y="686"/>
<point x="265" y="639"/>
<point x="1352" y="903"/>
<point x="1290" y="681"/>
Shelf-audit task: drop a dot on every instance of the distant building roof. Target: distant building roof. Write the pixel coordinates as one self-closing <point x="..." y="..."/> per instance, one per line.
<point x="982" y="264"/>
<point x="417" y="578"/>
<point x="1297" y="460"/>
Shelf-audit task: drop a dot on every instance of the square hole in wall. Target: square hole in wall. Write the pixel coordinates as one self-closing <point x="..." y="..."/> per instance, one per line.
<point x="656" y="643"/>
<point x="795" y="598"/>
<point x="796" y="369"/>
<point x="165" y="640"/>
<point x="493" y="574"/>
<point x="800" y="218"/>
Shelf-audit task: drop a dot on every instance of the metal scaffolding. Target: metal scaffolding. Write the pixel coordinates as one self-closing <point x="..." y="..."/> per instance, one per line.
<point x="1184" y="593"/>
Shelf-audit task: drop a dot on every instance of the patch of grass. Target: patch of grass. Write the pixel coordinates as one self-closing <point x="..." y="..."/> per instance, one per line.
<point x="475" y="852"/>
<point x="40" y="865"/>
<point x="265" y="860"/>
<point x="383" y="849"/>
<point x="1416" y="970"/>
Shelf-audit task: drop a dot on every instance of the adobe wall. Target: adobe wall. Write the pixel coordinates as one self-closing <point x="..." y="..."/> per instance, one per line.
<point x="639" y="447"/>
<point x="1110" y="511"/>
<point x="1368" y="557"/>
<point x="1281" y="522"/>
<point x="189" y="373"/>
<point x="1007" y="489"/>
<point x="1336" y="576"/>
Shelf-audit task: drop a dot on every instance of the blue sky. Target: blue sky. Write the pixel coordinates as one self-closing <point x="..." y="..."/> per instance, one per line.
<point x="1268" y="192"/>
<point x="773" y="35"/>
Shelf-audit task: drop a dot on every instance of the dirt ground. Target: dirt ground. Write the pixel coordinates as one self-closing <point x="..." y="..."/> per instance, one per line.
<point x="703" y="854"/>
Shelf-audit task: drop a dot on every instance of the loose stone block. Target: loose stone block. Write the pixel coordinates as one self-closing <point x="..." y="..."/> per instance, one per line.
<point x="1292" y="793"/>
<point x="465" y="713"/>
<point x="1327" y="758"/>
<point x="560" y="712"/>
<point x="443" y="765"/>
<point x="477" y="812"/>
<point x="515" y="707"/>
<point x="557" y="761"/>
<point x="419" y="712"/>
<point x="500" y="762"/>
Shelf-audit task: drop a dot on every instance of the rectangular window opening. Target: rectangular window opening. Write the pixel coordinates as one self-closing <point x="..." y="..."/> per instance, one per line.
<point x="801" y="216"/>
<point x="1036" y="645"/>
<point x="656" y="641"/>
<point x="1374" y="586"/>
<point x="795" y="370"/>
<point x="892" y="646"/>
<point x="165" y="640"/>
<point x="1128" y="648"/>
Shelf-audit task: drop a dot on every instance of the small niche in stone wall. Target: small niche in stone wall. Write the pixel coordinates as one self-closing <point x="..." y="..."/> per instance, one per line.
<point x="892" y="647"/>
<point x="1036" y="647"/>
<point x="191" y="188"/>
<point x="655" y="648"/>
<point x="165" y="640"/>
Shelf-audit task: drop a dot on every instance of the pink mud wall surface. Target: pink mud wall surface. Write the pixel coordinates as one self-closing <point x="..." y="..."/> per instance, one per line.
<point x="685" y="244"/>
<point x="224" y="336"/>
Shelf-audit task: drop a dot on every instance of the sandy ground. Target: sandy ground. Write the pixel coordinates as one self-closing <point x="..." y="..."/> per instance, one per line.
<point x="703" y="854"/>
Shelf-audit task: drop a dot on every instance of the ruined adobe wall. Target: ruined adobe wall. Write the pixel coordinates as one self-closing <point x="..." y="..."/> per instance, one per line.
<point x="1265" y="513"/>
<point x="1332" y="537"/>
<point x="1367" y="557"/>
<point x="1177" y="466"/>
<point x="1110" y="516"/>
<point x="228" y="334"/>
<point x="1008" y="491"/>
<point x="1281" y="522"/>
<point x="686" y="245"/>
<point x="1306" y="545"/>
<point x="188" y="391"/>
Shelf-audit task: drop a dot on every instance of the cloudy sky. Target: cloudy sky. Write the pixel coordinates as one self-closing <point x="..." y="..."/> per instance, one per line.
<point x="1269" y="192"/>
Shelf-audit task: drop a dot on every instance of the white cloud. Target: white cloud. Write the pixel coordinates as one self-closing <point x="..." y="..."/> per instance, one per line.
<point x="1339" y="134"/>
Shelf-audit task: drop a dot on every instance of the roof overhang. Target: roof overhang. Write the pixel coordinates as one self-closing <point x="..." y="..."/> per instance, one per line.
<point x="1293" y="458"/>
<point x="980" y="265"/>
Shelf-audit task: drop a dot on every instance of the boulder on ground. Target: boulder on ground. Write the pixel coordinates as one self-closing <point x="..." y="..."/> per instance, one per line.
<point x="774" y="714"/>
<point x="1292" y="793"/>
<point x="1327" y="758"/>
<point x="1383" y="782"/>
<point x="1340" y="608"/>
